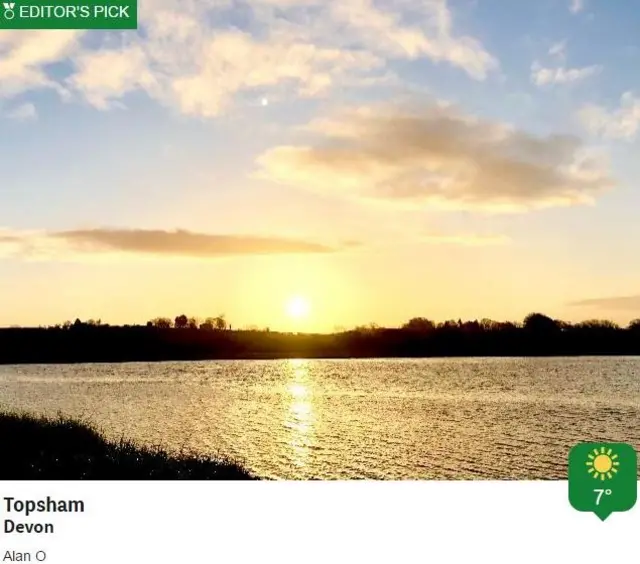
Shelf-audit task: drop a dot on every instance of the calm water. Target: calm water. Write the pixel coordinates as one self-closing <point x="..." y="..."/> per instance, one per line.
<point x="394" y="419"/>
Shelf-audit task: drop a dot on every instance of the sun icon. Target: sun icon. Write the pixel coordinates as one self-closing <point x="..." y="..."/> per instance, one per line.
<point x="602" y="463"/>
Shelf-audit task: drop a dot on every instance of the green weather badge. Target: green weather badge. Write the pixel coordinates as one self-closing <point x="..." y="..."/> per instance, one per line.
<point x="603" y="478"/>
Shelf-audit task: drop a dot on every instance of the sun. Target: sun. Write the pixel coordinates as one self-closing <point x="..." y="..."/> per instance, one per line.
<point x="602" y="463"/>
<point x="298" y="307"/>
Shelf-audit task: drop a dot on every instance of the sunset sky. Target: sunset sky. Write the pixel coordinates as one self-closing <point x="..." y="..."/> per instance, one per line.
<point x="377" y="159"/>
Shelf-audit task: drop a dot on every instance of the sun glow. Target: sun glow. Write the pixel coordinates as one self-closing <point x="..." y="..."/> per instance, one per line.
<point x="298" y="307"/>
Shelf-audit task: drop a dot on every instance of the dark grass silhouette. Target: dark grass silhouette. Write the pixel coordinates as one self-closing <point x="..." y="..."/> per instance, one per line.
<point x="62" y="449"/>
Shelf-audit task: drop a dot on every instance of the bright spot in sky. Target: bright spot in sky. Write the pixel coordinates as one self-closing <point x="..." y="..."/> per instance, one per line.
<point x="264" y="102"/>
<point x="298" y="307"/>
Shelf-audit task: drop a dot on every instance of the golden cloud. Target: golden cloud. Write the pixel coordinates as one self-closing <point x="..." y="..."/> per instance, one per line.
<point x="617" y="302"/>
<point x="180" y="243"/>
<point x="439" y="156"/>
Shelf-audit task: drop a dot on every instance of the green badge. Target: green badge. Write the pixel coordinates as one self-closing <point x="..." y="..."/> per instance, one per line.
<point x="603" y="477"/>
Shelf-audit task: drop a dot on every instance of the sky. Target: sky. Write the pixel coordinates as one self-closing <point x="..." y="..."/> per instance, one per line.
<point x="374" y="160"/>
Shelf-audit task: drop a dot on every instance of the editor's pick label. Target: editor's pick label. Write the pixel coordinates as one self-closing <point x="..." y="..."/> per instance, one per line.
<point x="69" y="14"/>
<point x="603" y="477"/>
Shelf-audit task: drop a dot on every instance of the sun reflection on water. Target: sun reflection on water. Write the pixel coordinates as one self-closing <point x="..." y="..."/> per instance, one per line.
<point x="298" y="390"/>
<point x="299" y="421"/>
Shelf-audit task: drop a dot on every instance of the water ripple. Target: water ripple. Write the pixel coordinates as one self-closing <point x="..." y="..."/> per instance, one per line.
<point x="353" y="419"/>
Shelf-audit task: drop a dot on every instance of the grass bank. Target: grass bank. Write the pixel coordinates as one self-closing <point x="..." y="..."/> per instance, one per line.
<point x="36" y="448"/>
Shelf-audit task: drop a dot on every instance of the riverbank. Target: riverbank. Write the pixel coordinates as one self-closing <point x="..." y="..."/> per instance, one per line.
<point x="537" y="335"/>
<point x="35" y="448"/>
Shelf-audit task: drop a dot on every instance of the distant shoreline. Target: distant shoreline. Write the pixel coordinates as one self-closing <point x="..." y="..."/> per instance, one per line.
<point x="296" y="357"/>
<point x="38" y="448"/>
<point x="537" y="336"/>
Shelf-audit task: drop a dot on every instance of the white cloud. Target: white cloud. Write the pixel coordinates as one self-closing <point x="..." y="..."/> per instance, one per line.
<point x="543" y="76"/>
<point x="184" y="63"/>
<point x="25" y="54"/>
<point x="439" y="157"/>
<point x="431" y="36"/>
<point x="621" y="123"/>
<point x="576" y="6"/>
<point x="23" y="112"/>
<point x="187" y="57"/>
<point x="559" y="49"/>
<point x="234" y="61"/>
<point x="104" y="75"/>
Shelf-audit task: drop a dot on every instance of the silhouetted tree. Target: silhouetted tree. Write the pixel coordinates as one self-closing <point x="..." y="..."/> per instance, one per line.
<point x="598" y="324"/>
<point x="162" y="322"/>
<point x="564" y="325"/>
<point x="220" y="323"/>
<point x="541" y="324"/>
<point x="419" y="325"/>
<point x="369" y="329"/>
<point x="489" y="324"/>
<point x="471" y="327"/>
<point x="181" y="322"/>
<point x="192" y="323"/>
<point x="634" y="325"/>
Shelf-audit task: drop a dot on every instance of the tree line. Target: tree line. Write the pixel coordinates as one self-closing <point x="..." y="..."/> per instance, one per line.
<point x="187" y="338"/>
<point x="536" y="322"/>
<point x="218" y="323"/>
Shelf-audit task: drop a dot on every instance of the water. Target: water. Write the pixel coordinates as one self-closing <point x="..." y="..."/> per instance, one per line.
<point x="342" y="419"/>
